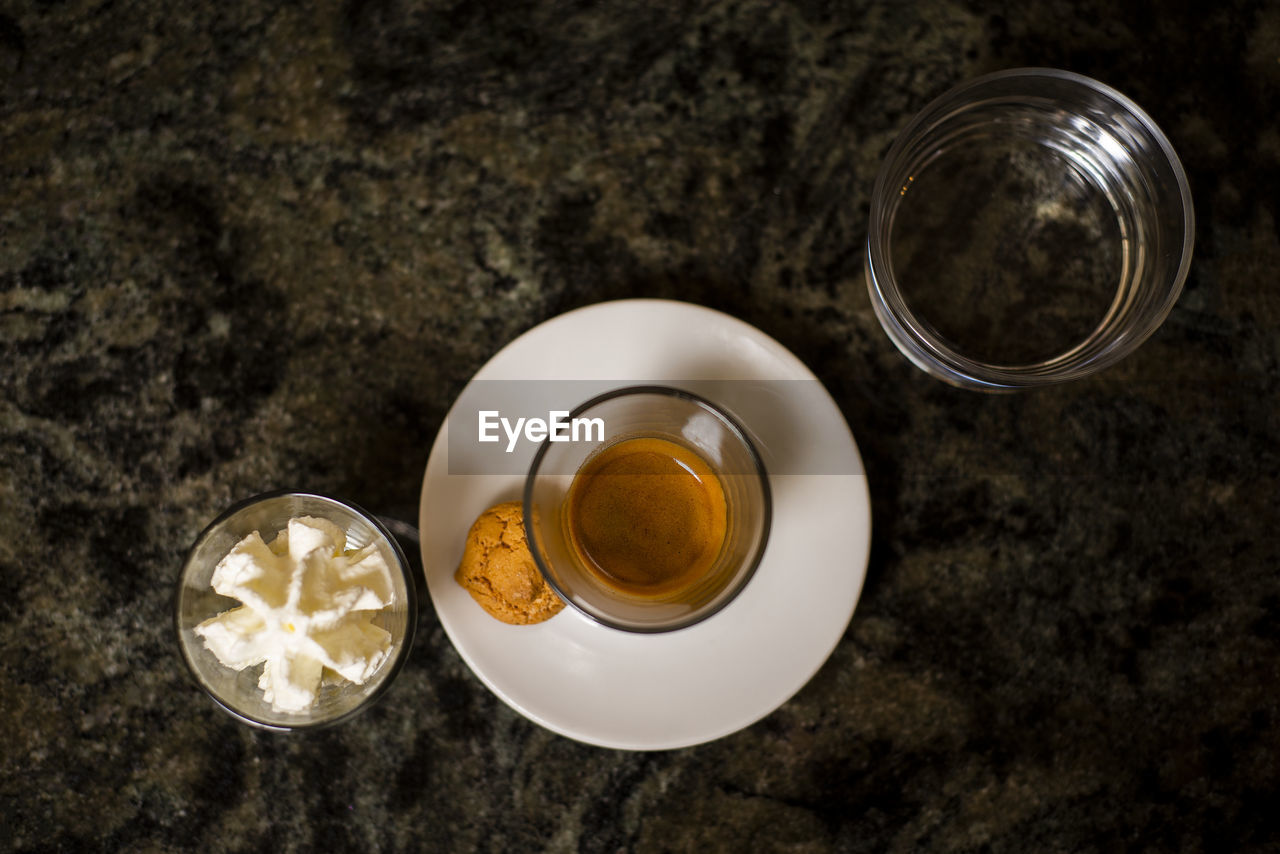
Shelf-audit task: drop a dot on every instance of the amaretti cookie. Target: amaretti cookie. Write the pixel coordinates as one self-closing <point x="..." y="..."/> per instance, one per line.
<point x="498" y="571"/>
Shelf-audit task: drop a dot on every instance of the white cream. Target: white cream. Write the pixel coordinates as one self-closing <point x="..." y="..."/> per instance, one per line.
<point x="307" y="605"/>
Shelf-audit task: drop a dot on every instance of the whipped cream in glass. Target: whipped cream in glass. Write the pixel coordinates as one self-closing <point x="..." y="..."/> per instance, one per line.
<point x="308" y="611"/>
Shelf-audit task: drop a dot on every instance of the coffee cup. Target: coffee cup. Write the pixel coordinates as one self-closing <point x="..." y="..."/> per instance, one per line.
<point x="656" y="517"/>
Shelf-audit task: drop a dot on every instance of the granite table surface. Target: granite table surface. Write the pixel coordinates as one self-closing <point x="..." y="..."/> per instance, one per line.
<point x="251" y="245"/>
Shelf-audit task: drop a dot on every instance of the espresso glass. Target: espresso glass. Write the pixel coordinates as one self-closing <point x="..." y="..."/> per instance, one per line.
<point x="650" y="412"/>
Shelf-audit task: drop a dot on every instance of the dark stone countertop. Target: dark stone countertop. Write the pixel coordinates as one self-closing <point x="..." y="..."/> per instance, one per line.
<point x="253" y="245"/>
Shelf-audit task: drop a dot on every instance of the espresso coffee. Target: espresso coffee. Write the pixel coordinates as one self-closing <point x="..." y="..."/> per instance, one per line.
<point x="646" y="516"/>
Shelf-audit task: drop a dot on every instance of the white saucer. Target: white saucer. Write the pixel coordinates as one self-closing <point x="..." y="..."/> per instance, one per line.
<point x="648" y="692"/>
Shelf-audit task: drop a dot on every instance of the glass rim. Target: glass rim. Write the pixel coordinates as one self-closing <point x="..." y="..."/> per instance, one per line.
<point x="933" y="354"/>
<point x="761" y="473"/>
<point x="394" y="667"/>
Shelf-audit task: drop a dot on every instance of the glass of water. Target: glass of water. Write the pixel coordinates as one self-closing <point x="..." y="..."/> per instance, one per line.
<point x="1026" y="228"/>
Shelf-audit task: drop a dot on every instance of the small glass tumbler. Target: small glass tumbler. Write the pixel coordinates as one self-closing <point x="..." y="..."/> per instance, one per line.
<point x="237" y="691"/>
<point x="1028" y="227"/>
<point x="685" y="419"/>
